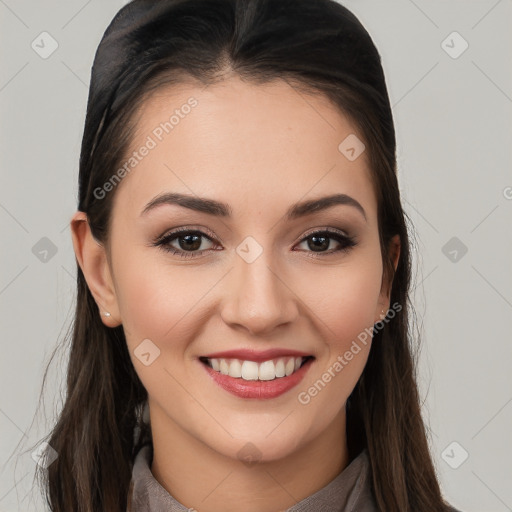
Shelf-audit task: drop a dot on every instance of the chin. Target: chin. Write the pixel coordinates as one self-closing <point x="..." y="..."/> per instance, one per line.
<point x="262" y="442"/>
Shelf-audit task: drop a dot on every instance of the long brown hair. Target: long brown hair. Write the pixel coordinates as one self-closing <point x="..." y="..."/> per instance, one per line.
<point x="317" y="46"/>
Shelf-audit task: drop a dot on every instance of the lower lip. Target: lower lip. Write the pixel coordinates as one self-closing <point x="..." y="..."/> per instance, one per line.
<point x="259" y="389"/>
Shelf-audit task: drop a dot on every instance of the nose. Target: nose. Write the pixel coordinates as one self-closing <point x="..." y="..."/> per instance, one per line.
<point x="258" y="297"/>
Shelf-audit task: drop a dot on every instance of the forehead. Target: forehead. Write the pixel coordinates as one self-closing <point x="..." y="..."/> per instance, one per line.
<point x="244" y="143"/>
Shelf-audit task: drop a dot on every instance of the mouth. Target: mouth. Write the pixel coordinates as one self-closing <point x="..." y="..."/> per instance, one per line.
<point x="263" y="378"/>
<point x="248" y="370"/>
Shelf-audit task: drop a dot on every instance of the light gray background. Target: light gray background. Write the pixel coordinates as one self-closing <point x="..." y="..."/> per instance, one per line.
<point x="453" y="121"/>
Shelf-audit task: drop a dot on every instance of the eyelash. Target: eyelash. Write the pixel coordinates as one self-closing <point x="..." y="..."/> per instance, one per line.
<point x="163" y="242"/>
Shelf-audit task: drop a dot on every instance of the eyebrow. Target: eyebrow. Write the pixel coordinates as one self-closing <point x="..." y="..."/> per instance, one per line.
<point x="219" y="209"/>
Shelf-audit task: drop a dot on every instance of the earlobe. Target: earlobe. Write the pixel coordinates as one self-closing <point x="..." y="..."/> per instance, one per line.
<point x="92" y="258"/>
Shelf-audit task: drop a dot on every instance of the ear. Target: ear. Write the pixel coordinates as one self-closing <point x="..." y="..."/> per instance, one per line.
<point x="384" y="298"/>
<point x="92" y="258"/>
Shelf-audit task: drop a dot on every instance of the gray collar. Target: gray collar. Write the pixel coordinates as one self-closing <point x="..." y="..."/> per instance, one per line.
<point x="350" y="491"/>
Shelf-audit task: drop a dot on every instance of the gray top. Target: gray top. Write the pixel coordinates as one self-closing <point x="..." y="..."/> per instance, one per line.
<point x="348" y="492"/>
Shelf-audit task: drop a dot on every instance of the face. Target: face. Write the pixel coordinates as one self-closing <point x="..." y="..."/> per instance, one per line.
<point x="247" y="278"/>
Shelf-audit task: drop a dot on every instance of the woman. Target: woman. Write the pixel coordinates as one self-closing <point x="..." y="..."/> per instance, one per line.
<point x="241" y="339"/>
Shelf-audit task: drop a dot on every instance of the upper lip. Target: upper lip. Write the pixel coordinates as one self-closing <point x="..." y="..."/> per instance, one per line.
<point x="255" y="355"/>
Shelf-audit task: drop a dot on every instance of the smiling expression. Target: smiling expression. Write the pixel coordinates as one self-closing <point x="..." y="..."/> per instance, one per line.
<point x="278" y="249"/>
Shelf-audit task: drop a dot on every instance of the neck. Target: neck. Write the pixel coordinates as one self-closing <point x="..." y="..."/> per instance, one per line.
<point x="203" y="479"/>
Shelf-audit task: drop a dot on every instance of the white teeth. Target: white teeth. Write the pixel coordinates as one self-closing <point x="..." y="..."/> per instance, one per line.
<point x="290" y="366"/>
<point x="280" y="371"/>
<point x="251" y="370"/>
<point x="224" y="367"/>
<point x="267" y="370"/>
<point x="235" y="369"/>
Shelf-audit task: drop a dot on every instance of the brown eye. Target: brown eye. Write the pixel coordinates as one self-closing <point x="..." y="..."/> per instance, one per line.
<point x="189" y="243"/>
<point x="321" y="241"/>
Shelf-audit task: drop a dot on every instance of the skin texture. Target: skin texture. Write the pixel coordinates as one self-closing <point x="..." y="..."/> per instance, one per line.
<point x="259" y="148"/>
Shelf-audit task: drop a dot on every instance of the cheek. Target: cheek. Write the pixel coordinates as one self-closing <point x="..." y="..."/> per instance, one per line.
<point x="160" y="303"/>
<point x="343" y="298"/>
<point x="343" y="301"/>
<point x="155" y="299"/>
